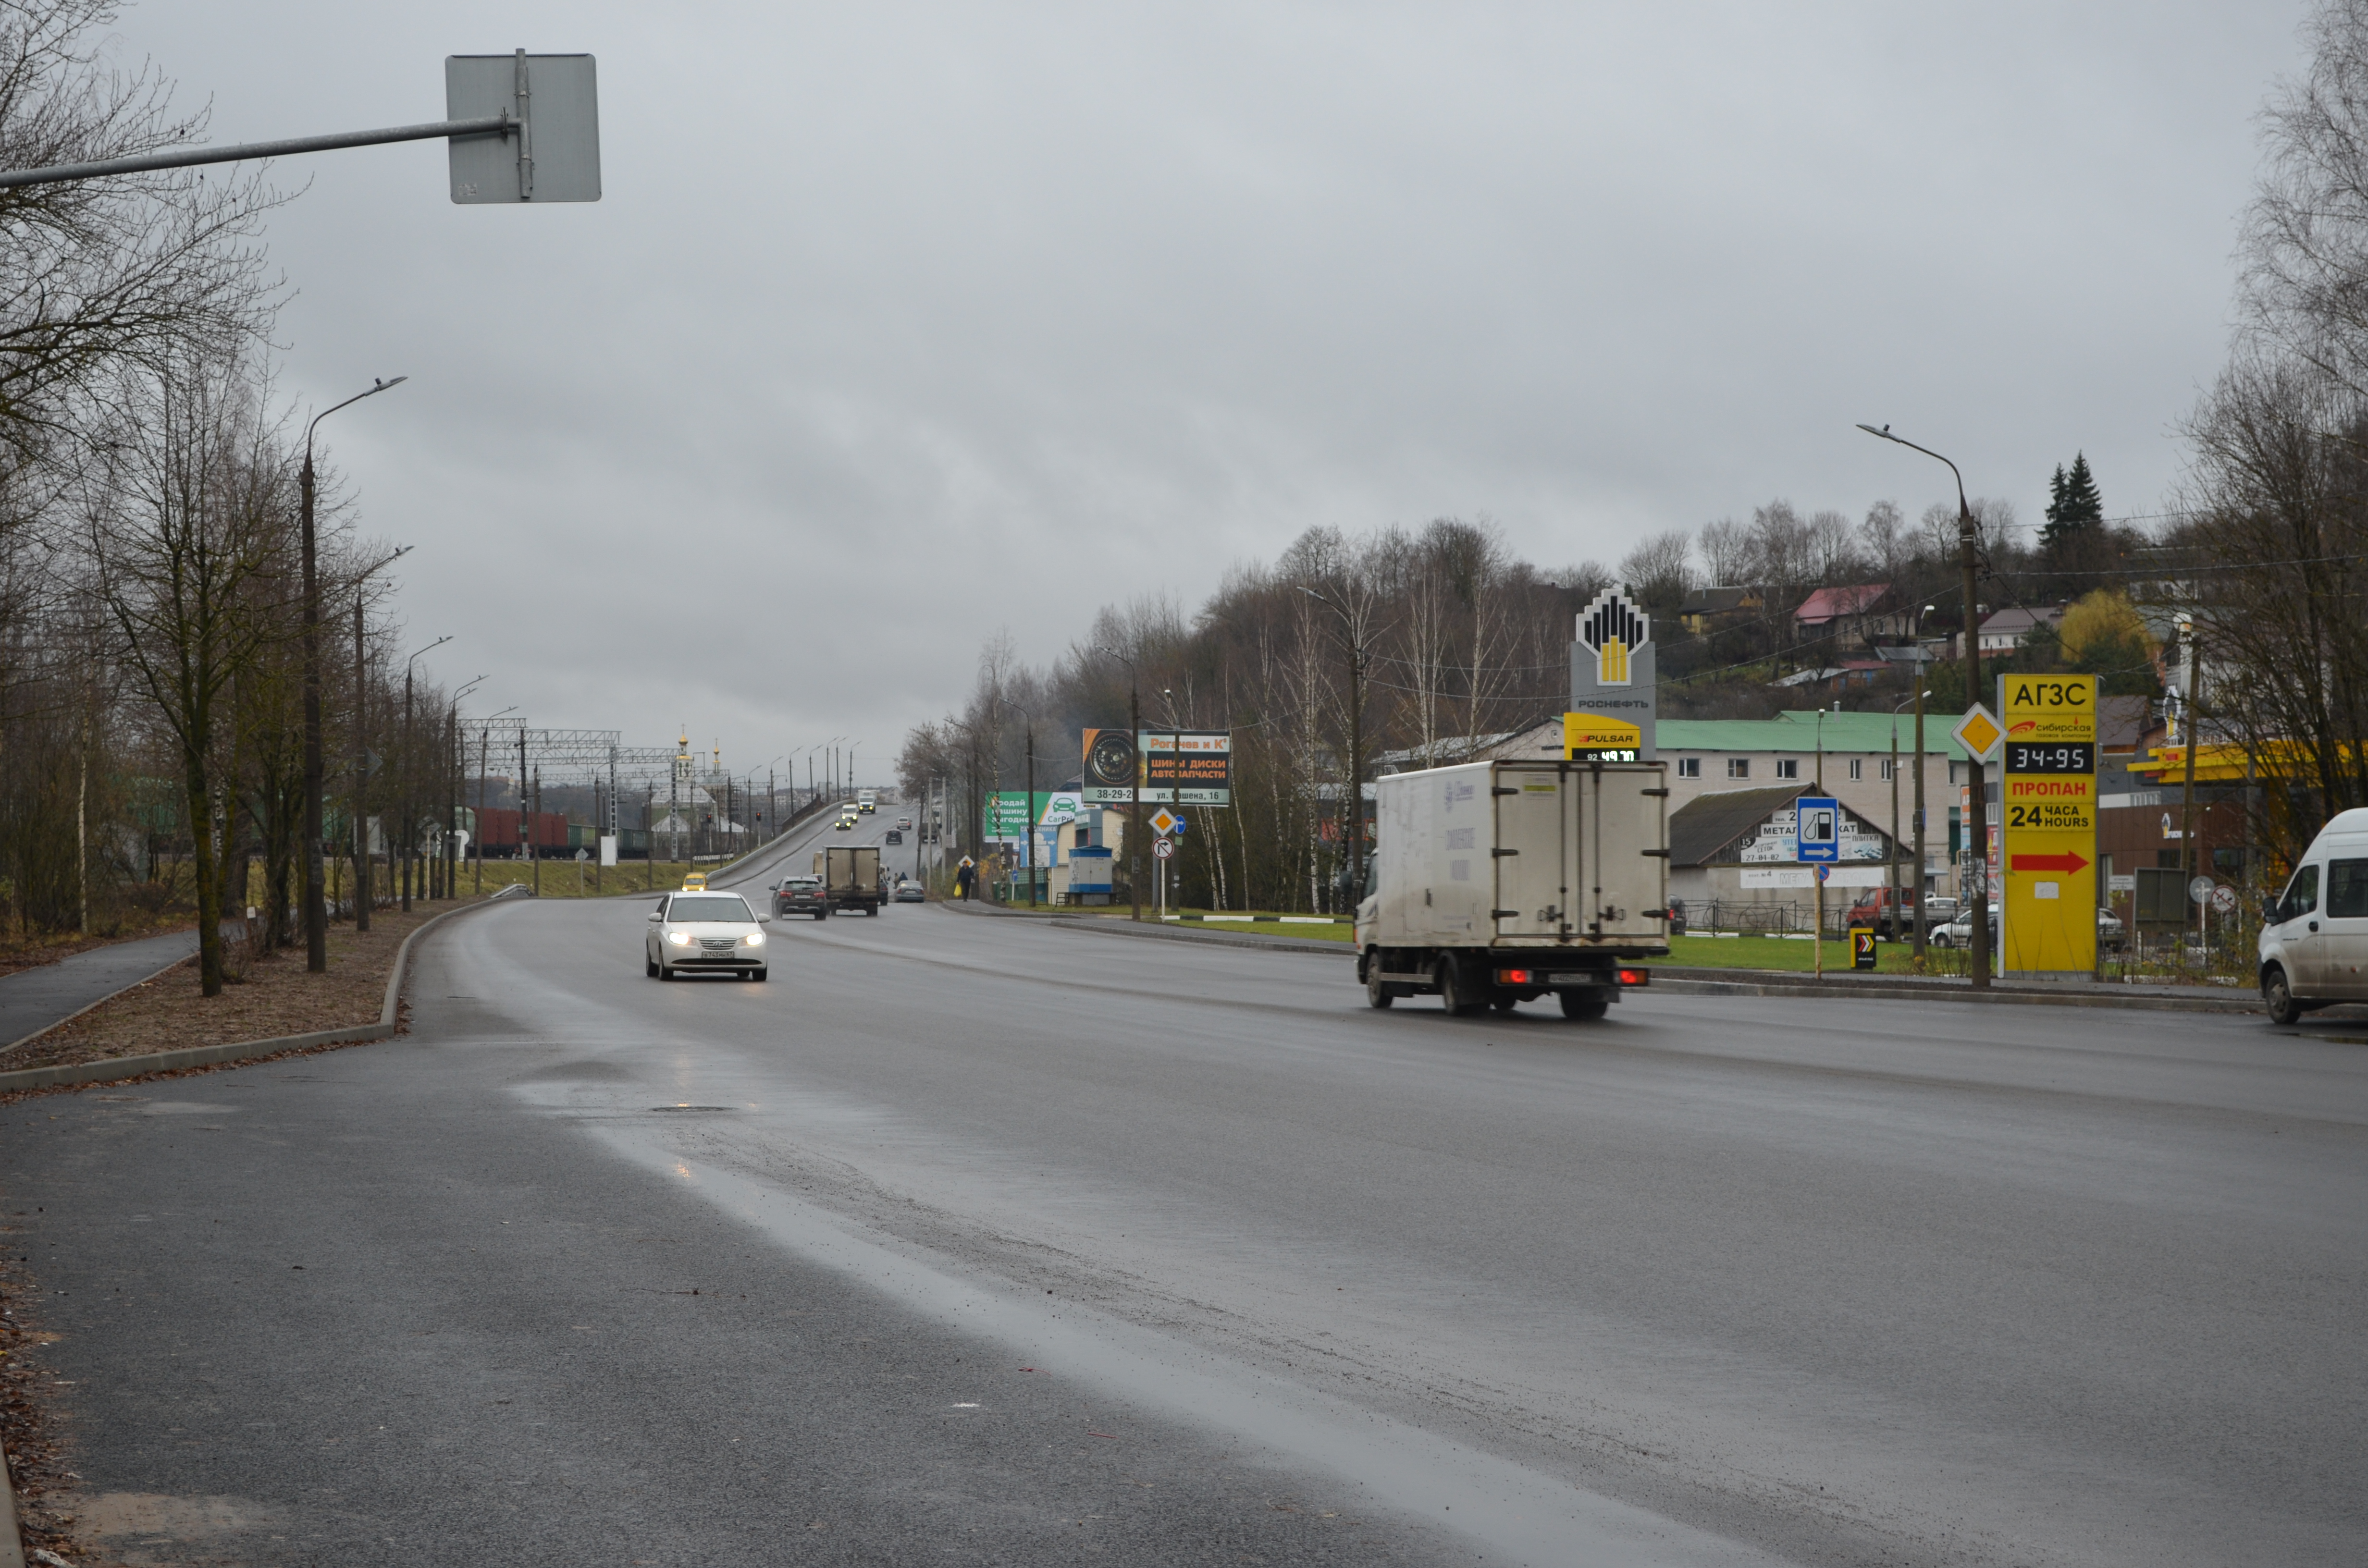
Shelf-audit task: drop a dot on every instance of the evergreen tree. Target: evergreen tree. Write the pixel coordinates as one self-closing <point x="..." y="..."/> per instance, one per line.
<point x="2074" y="506"/>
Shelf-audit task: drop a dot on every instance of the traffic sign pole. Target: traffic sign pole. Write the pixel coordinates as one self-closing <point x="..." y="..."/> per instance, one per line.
<point x="1817" y="841"/>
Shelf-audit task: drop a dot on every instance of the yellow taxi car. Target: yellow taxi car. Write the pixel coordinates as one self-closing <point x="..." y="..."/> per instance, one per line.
<point x="695" y="882"/>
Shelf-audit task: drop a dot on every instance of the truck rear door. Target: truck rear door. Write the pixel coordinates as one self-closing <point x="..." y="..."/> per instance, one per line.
<point x="1626" y="814"/>
<point x="1536" y="850"/>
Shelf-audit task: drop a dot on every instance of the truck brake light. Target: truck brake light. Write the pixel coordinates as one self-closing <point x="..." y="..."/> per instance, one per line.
<point x="1514" y="977"/>
<point x="1635" y="977"/>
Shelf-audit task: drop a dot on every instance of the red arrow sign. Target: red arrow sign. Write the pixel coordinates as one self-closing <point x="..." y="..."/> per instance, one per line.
<point x="2066" y="863"/>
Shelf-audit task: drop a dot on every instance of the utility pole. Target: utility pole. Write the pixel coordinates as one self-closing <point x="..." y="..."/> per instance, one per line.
<point x="477" y="840"/>
<point x="361" y="777"/>
<point x="1920" y="892"/>
<point x="526" y="809"/>
<point x="1978" y="946"/>
<point x="2190" y="681"/>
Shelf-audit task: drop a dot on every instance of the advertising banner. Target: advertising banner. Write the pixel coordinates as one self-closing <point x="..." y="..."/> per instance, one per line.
<point x="2048" y="836"/>
<point x="1112" y="767"/>
<point x="1188" y="767"/>
<point x="1174" y="768"/>
<point x="1007" y="812"/>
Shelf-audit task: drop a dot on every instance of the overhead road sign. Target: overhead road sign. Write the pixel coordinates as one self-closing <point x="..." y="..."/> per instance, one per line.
<point x="550" y="148"/>
<point x="521" y="126"/>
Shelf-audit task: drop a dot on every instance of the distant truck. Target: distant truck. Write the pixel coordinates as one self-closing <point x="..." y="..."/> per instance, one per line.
<point x="867" y="802"/>
<point x="1495" y="884"/>
<point x="850" y="877"/>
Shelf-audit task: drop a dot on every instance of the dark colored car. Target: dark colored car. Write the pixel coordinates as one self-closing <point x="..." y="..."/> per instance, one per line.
<point x="893" y="837"/>
<point x="801" y="895"/>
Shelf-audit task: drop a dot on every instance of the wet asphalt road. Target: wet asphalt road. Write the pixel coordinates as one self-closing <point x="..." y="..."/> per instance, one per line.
<point x="1717" y="1281"/>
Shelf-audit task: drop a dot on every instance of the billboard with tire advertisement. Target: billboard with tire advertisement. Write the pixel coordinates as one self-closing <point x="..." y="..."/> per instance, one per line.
<point x="1174" y="768"/>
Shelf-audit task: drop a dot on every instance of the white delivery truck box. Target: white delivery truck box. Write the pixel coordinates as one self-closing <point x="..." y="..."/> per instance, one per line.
<point x="1499" y="882"/>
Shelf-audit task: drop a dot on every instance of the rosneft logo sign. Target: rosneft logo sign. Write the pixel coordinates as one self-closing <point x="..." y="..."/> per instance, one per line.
<point x="1612" y="629"/>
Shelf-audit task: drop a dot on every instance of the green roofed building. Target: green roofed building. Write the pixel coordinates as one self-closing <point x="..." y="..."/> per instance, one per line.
<point x="1849" y="752"/>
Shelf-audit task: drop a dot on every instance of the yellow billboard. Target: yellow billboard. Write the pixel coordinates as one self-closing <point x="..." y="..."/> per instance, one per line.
<point x="2047" y="809"/>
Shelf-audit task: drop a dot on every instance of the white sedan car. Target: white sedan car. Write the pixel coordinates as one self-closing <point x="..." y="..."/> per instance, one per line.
<point x="705" y="932"/>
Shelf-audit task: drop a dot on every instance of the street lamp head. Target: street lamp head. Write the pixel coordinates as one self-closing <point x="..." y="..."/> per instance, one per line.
<point x="1885" y="432"/>
<point x="378" y="385"/>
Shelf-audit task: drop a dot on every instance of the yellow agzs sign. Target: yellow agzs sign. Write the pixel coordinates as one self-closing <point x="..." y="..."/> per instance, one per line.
<point x="2047" y="809"/>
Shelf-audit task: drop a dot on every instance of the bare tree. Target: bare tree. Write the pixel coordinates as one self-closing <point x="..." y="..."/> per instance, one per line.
<point x="181" y="527"/>
<point x="93" y="272"/>
<point x="1659" y="570"/>
<point x="2282" y="537"/>
<point x="2306" y="238"/>
<point x="1725" y="549"/>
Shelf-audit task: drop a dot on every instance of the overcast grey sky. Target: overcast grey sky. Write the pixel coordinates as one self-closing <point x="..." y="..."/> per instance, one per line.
<point x="901" y="324"/>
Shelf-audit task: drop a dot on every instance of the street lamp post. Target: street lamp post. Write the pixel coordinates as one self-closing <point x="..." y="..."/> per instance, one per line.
<point x="1977" y="945"/>
<point x="1352" y="826"/>
<point x="452" y="812"/>
<point x="1134" y="808"/>
<point x="484" y="765"/>
<point x="409" y="864"/>
<point x="316" y="906"/>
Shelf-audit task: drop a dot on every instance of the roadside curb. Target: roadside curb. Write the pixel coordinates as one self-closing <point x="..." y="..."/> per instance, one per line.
<point x="1205" y="938"/>
<point x="1678" y="983"/>
<point x="123" y="1067"/>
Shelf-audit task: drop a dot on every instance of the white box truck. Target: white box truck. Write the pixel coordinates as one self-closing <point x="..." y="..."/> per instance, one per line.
<point x="850" y="877"/>
<point x="1495" y="884"/>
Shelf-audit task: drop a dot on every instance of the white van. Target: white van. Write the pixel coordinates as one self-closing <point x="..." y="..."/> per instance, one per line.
<point x="2315" y="934"/>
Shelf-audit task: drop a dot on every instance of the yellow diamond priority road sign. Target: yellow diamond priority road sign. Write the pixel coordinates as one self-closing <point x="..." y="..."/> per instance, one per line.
<point x="1979" y="733"/>
<point x="1164" y="821"/>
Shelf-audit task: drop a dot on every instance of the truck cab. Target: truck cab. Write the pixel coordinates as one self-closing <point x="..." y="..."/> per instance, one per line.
<point x="2313" y="949"/>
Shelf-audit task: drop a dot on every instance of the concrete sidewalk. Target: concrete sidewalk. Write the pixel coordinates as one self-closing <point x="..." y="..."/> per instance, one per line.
<point x="33" y="999"/>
